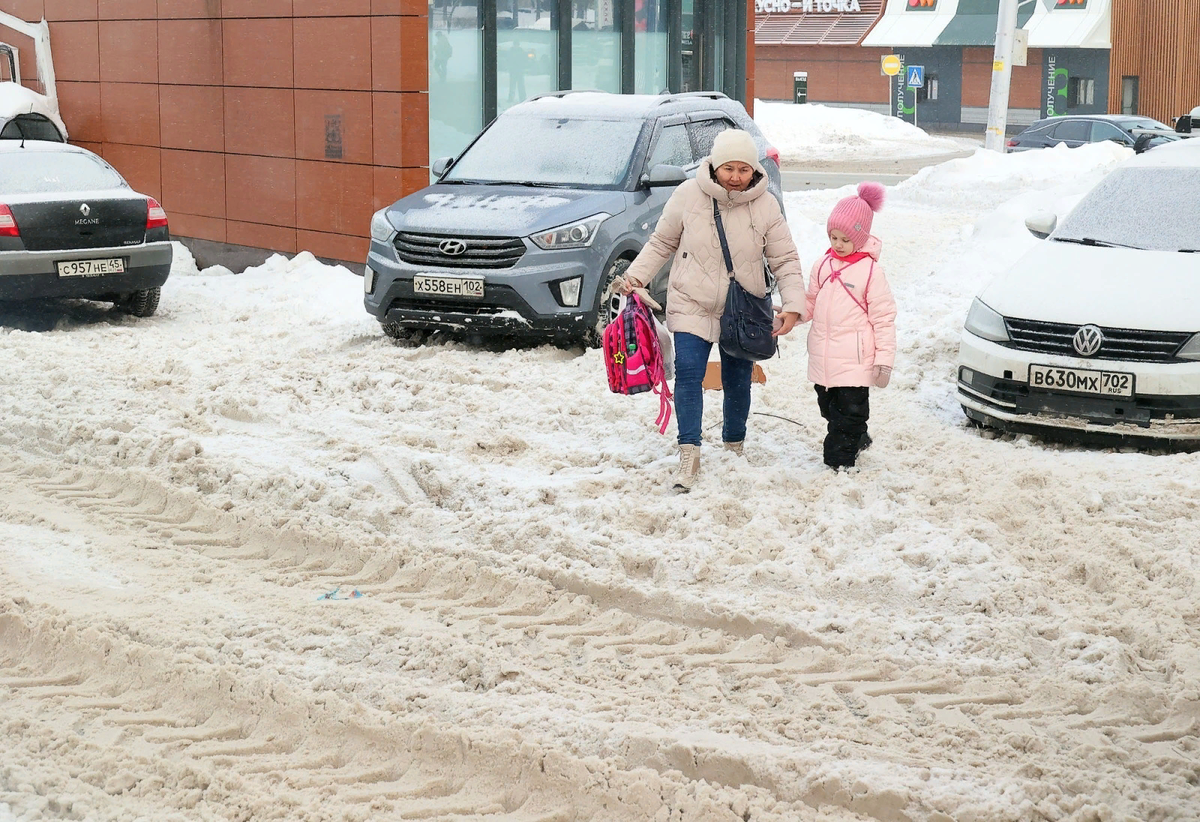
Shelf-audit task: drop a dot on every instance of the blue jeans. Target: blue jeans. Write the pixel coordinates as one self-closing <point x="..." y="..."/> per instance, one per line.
<point x="691" y="361"/>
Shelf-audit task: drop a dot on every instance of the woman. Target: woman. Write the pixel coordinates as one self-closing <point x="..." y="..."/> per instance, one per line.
<point x="754" y="229"/>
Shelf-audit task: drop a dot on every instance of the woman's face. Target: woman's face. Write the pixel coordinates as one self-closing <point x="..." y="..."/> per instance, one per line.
<point x="735" y="175"/>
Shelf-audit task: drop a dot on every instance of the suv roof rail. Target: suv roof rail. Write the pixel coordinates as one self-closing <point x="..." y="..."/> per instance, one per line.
<point x="710" y="95"/>
<point x="562" y="93"/>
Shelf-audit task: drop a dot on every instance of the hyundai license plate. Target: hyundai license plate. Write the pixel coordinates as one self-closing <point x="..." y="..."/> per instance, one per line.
<point x="92" y="268"/>
<point x="448" y="286"/>
<point x="1081" y="381"/>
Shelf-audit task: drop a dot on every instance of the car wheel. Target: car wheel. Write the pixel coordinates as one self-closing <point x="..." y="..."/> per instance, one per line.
<point x="607" y="302"/>
<point x="142" y="303"/>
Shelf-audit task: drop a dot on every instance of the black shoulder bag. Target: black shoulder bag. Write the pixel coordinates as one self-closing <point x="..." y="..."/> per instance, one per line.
<point x="748" y="321"/>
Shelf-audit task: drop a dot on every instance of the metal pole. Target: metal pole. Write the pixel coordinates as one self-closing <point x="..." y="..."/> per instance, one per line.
<point x="1006" y="26"/>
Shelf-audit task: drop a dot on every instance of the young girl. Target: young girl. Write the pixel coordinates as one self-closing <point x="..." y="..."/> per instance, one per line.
<point x="852" y="341"/>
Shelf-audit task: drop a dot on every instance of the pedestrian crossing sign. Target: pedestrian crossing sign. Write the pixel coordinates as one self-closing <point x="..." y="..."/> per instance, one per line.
<point x="916" y="76"/>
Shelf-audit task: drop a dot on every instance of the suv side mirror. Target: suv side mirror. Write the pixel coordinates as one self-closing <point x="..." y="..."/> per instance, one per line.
<point x="441" y="165"/>
<point x="1041" y="223"/>
<point x="664" y="175"/>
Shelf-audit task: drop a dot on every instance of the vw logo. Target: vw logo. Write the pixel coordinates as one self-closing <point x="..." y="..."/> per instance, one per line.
<point x="452" y="248"/>
<point x="1087" y="340"/>
<point x="85" y="209"/>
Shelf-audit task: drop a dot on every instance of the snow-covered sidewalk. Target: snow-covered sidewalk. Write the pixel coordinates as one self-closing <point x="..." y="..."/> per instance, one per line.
<point x="260" y="562"/>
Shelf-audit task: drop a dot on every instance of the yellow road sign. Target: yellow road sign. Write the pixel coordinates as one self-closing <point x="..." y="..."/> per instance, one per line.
<point x="890" y="65"/>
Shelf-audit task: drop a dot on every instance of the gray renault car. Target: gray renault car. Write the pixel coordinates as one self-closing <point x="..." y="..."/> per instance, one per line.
<point x="71" y="227"/>
<point x="525" y="231"/>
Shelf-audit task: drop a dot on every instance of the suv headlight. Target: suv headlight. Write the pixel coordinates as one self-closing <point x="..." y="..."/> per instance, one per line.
<point x="381" y="228"/>
<point x="1191" y="349"/>
<point x="984" y="322"/>
<point x="575" y="235"/>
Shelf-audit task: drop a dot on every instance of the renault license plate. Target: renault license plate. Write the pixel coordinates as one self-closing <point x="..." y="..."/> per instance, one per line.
<point x="92" y="268"/>
<point x="1081" y="381"/>
<point x="448" y="286"/>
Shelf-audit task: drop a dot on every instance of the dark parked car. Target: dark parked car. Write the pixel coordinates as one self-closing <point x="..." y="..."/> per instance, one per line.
<point x="1074" y="130"/>
<point x="70" y="226"/>
<point x="525" y="231"/>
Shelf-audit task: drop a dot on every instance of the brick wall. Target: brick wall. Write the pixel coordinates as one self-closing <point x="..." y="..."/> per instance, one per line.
<point x="277" y="124"/>
<point x="836" y="74"/>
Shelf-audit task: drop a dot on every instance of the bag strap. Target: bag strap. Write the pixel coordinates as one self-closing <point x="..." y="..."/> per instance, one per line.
<point x="836" y="274"/>
<point x="721" y="234"/>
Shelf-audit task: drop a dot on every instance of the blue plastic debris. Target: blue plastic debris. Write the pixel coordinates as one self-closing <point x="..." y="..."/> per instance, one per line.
<point x="355" y="594"/>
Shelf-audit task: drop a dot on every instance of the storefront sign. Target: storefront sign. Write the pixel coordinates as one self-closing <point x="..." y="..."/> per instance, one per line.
<point x="900" y="92"/>
<point x="807" y="6"/>
<point x="1056" y="87"/>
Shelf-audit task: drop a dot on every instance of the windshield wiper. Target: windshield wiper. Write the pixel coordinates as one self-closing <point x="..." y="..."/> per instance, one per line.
<point x="1092" y="241"/>
<point x="1189" y="251"/>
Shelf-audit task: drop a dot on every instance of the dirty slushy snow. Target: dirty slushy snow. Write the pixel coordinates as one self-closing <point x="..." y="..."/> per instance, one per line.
<point x="964" y="628"/>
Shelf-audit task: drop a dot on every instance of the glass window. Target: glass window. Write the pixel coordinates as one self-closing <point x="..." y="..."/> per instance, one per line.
<point x="31" y="127"/>
<point x="455" y="76"/>
<point x="561" y="151"/>
<point x="673" y="148"/>
<point x="526" y="51"/>
<point x="649" y="47"/>
<point x="1129" y="95"/>
<point x="1140" y="207"/>
<point x="1102" y="131"/>
<point x="1072" y="130"/>
<point x="1081" y="91"/>
<point x="595" y="46"/>
<point x="47" y="172"/>
<point x="704" y="133"/>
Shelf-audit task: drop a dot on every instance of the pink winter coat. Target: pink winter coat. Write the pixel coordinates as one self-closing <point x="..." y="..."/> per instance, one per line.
<point x="853" y="319"/>
<point x="754" y="228"/>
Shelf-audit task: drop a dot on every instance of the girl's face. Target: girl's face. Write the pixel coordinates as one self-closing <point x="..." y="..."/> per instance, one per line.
<point x="734" y="175"/>
<point x="840" y="243"/>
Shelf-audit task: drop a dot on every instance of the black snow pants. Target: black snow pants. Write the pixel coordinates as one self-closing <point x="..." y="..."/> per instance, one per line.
<point x="846" y="409"/>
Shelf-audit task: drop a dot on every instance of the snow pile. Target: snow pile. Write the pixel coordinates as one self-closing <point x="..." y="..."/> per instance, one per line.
<point x="814" y="132"/>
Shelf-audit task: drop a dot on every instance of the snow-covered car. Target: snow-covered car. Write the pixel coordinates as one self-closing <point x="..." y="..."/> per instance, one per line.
<point x="524" y="233"/>
<point x="70" y="226"/>
<point x="1095" y="333"/>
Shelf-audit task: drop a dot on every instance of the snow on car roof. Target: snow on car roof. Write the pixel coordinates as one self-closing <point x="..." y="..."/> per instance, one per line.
<point x="1184" y="153"/>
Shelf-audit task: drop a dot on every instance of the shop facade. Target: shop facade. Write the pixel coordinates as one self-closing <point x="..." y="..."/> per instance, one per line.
<point x="282" y="125"/>
<point x="1065" y="67"/>
<point x="487" y="55"/>
<point x="1156" y="48"/>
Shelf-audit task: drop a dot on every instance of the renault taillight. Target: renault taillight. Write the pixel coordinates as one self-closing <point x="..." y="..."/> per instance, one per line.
<point x="8" y="223"/>
<point x="155" y="216"/>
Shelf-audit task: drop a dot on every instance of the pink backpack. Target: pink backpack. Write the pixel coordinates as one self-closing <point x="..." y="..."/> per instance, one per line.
<point x="634" y="357"/>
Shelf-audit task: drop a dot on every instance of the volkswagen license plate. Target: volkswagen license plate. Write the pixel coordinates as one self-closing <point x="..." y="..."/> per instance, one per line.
<point x="1081" y="381"/>
<point x="448" y="286"/>
<point x="92" y="268"/>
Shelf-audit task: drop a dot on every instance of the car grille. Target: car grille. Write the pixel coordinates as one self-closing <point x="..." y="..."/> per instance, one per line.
<point x="1120" y="344"/>
<point x="480" y="252"/>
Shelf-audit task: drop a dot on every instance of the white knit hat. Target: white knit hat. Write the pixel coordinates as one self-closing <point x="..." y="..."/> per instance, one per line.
<point x="735" y="145"/>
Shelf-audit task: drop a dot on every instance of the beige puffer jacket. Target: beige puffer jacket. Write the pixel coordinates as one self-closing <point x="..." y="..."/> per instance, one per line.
<point x="754" y="228"/>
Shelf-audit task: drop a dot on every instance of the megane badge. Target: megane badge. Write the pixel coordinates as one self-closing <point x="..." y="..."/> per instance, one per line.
<point x="452" y="248"/>
<point x="1087" y="340"/>
<point x="85" y="209"/>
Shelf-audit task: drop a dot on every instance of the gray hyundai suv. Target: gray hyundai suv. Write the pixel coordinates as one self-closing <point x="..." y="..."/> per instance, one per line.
<point x="524" y="232"/>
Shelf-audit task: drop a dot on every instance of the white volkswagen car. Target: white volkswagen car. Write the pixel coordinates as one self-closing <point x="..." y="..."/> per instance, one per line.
<point x="1095" y="334"/>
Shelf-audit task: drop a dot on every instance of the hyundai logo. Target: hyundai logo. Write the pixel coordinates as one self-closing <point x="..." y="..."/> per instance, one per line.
<point x="1087" y="340"/>
<point x="452" y="248"/>
<point x="85" y="209"/>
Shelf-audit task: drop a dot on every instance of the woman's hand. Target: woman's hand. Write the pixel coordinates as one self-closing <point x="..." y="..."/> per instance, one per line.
<point x="785" y="321"/>
<point x="622" y="285"/>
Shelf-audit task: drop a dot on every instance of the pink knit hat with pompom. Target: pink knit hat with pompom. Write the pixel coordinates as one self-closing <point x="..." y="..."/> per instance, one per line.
<point x="852" y="215"/>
